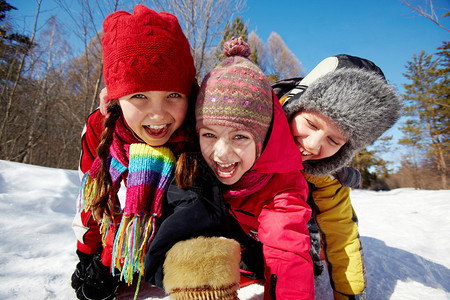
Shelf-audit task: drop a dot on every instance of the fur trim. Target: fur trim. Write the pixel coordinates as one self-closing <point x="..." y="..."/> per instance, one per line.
<point x="201" y="266"/>
<point x="357" y="99"/>
<point x="206" y="293"/>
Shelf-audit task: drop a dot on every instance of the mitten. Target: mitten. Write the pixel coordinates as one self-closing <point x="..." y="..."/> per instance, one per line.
<point x="349" y="177"/>
<point x="203" y="268"/>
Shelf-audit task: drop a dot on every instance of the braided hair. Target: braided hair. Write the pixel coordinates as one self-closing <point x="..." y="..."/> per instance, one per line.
<point x="104" y="183"/>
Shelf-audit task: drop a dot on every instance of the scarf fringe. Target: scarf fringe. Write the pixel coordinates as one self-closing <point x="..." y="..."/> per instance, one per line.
<point x="130" y="245"/>
<point x="87" y="190"/>
<point x="147" y="170"/>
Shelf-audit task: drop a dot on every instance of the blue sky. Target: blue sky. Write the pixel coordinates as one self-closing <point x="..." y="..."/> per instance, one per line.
<point x="386" y="32"/>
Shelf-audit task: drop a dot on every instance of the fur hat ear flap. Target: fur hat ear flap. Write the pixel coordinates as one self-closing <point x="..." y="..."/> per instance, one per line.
<point x="203" y="268"/>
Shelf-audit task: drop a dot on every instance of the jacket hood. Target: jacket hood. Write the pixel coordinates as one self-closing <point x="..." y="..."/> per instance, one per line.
<point x="280" y="154"/>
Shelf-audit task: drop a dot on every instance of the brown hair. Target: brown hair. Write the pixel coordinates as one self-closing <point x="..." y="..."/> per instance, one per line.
<point x="104" y="182"/>
<point x="186" y="167"/>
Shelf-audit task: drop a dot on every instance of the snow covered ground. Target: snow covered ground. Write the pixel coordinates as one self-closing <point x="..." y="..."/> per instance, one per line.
<point x="405" y="234"/>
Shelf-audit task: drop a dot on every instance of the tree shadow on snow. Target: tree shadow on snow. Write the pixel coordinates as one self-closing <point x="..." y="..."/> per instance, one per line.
<point x="386" y="265"/>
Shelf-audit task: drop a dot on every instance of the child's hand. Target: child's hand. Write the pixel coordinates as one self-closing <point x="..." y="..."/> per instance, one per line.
<point x="349" y="177"/>
<point x="103" y="96"/>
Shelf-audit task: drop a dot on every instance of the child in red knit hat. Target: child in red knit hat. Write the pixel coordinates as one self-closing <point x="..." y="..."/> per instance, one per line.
<point x="150" y="76"/>
<point x="248" y="187"/>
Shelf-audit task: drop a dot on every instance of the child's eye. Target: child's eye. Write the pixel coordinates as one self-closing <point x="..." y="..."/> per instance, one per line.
<point x="333" y="141"/>
<point x="208" y="135"/>
<point x="311" y="124"/>
<point x="174" y="95"/>
<point x="240" y="137"/>
<point x="139" y="96"/>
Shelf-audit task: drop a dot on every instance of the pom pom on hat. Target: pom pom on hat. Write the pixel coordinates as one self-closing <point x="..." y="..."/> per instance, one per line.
<point x="145" y="51"/>
<point x="236" y="47"/>
<point x="236" y="94"/>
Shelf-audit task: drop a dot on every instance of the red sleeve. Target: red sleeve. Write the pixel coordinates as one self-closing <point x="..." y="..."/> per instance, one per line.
<point x="284" y="233"/>
<point x="90" y="139"/>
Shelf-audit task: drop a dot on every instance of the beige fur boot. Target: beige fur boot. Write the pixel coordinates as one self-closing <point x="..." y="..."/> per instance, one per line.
<point x="203" y="268"/>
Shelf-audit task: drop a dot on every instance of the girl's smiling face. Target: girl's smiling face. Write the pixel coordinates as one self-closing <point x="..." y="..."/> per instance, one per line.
<point x="316" y="135"/>
<point x="155" y="115"/>
<point x="228" y="151"/>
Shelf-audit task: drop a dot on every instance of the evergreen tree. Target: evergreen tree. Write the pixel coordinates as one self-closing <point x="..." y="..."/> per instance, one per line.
<point x="373" y="169"/>
<point x="413" y="139"/>
<point x="237" y="29"/>
<point x="442" y="88"/>
<point x="254" y="56"/>
<point x="428" y="106"/>
<point x="12" y="45"/>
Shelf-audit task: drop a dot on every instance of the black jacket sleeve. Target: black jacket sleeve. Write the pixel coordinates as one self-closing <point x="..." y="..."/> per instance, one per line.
<point x="197" y="211"/>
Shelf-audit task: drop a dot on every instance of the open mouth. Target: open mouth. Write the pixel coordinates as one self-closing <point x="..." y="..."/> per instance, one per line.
<point x="305" y="154"/>
<point x="157" y="131"/>
<point x="226" y="170"/>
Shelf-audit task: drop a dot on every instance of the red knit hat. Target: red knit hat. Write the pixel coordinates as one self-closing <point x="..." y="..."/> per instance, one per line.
<point x="145" y="51"/>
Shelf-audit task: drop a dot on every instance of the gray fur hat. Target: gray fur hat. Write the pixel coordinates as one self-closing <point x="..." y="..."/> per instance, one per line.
<point x="352" y="92"/>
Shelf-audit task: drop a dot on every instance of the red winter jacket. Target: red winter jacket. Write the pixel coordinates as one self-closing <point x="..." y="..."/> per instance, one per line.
<point x="90" y="140"/>
<point x="277" y="215"/>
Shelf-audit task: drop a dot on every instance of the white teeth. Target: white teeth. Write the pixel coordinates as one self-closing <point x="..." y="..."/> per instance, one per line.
<point x="225" y="165"/>
<point x="222" y="169"/>
<point x="304" y="153"/>
<point x="156" y="127"/>
<point x="225" y="173"/>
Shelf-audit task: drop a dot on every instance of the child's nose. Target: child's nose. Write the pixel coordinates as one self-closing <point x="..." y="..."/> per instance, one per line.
<point x="156" y="109"/>
<point x="221" y="150"/>
<point x="314" y="143"/>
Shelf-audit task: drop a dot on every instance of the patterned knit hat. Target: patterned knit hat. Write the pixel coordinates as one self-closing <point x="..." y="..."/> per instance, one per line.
<point x="145" y="51"/>
<point x="353" y="93"/>
<point x="237" y="94"/>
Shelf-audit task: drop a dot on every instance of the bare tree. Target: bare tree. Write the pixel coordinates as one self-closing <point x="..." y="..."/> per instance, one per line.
<point x="258" y="49"/>
<point x="88" y="19"/>
<point x="47" y="65"/>
<point x="202" y="22"/>
<point x="42" y="101"/>
<point x="426" y="9"/>
<point x="282" y="63"/>
<point x="57" y="90"/>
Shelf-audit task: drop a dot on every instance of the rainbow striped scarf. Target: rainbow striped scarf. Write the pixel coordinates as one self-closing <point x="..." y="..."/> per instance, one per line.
<point x="146" y="171"/>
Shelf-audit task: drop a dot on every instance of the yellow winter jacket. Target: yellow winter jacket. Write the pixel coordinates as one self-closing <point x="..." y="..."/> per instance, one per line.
<point x="337" y="222"/>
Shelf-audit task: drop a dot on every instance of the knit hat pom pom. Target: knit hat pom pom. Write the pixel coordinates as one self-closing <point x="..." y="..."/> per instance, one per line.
<point x="236" y="47"/>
